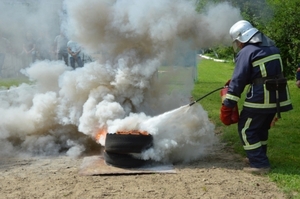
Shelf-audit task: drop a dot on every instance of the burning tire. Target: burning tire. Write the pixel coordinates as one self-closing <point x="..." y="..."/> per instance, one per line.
<point x="122" y="160"/>
<point x="129" y="142"/>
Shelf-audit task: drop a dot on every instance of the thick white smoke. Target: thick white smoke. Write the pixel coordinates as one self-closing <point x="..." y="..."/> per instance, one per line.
<point x="21" y="18"/>
<point x="122" y="89"/>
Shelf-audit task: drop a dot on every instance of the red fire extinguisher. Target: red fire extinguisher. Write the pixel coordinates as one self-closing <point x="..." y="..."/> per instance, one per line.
<point x="235" y="113"/>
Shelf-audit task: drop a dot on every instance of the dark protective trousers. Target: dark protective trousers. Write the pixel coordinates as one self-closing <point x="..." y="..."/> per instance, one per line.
<point x="78" y="60"/>
<point x="253" y="130"/>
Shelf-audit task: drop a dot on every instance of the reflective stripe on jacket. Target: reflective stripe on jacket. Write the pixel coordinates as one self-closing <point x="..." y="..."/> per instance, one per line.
<point x="253" y="62"/>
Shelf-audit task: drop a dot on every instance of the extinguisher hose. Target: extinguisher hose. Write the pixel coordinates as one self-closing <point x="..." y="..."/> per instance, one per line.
<point x="206" y="95"/>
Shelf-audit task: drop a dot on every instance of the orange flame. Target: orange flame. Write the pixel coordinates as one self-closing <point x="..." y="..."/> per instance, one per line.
<point x="101" y="135"/>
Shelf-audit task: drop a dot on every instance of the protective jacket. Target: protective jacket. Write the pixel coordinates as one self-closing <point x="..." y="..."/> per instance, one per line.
<point x="257" y="61"/>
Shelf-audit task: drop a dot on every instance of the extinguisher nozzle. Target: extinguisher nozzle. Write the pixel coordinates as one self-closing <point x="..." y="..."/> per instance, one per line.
<point x="192" y="103"/>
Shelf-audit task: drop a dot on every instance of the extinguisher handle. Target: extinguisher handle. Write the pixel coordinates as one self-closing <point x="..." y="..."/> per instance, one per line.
<point x="223" y="93"/>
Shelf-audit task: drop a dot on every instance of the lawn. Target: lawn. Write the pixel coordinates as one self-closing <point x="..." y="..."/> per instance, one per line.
<point x="8" y="82"/>
<point x="284" y="137"/>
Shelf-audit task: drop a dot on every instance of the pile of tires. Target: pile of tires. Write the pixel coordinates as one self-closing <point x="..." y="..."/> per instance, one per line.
<point x="123" y="148"/>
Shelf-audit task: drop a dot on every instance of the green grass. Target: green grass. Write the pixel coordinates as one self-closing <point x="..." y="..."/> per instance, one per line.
<point x="284" y="137"/>
<point x="175" y="78"/>
<point x="12" y="82"/>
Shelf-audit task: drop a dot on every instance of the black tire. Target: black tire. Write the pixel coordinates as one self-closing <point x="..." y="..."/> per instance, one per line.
<point x="127" y="143"/>
<point x="122" y="160"/>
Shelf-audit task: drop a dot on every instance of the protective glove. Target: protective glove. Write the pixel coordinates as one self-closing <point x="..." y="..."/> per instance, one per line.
<point x="225" y="115"/>
<point x="298" y="83"/>
<point x="235" y="116"/>
<point x="229" y="115"/>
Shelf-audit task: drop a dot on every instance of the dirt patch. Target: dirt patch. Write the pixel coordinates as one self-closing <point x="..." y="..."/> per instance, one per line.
<point x="219" y="175"/>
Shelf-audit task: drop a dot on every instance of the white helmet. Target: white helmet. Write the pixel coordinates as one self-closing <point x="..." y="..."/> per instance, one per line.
<point x="242" y="31"/>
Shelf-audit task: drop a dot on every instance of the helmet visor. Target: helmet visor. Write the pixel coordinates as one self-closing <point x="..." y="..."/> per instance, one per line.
<point x="235" y="46"/>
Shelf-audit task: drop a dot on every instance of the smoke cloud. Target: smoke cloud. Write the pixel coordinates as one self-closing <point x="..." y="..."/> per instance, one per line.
<point x="137" y="50"/>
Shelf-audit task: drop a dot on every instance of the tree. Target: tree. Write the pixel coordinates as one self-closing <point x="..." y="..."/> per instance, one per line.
<point x="284" y="29"/>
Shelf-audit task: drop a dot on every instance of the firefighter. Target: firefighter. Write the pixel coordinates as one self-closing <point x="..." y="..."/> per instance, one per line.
<point x="258" y="64"/>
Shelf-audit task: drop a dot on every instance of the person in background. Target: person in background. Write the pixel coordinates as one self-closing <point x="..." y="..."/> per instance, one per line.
<point x="29" y="49"/>
<point x="43" y="47"/>
<point x="60" y="45"/>
<point x="257" y="64"/>
<point x="298" y="76"/>
<point x="74" y="51"/>
<point x="4" y="45"/>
